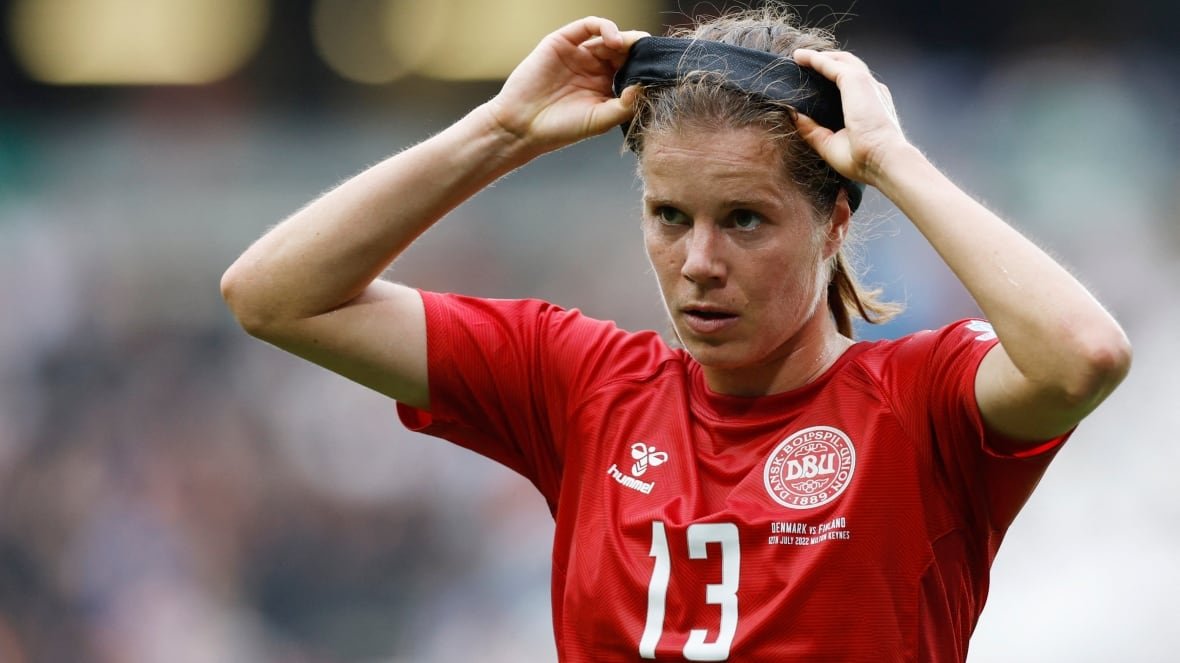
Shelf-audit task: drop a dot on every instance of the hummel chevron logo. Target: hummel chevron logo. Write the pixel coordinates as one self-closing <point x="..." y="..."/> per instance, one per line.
<point x="644" y="456"/>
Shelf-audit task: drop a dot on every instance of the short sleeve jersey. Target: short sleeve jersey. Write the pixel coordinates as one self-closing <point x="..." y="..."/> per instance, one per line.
<point x="852" y="519"/>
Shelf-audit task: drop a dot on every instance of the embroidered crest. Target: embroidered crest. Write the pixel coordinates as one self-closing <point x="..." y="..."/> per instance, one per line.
<point x="810" y="468"/>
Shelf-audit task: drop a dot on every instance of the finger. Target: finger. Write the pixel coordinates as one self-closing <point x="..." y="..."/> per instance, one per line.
<point x="811" y="131"/>
<point x="822" y="62"/>
<point x="602" y="50"/>
<point x="584" y="29"/>
<point x="623" y="44"/>
<point x="616" y="111"/>
<point x="598" y="48"/>
<point x="632" y="36"/>
<point x="832" y="64"/>
<point x="853" y="78"/>
<point x="848" y="57"/>
<point x="596" y="45"/>
<point x="629" y="95"/>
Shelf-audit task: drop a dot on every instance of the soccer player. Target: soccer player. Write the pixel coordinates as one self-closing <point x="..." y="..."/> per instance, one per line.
<point x="769" y="489"/>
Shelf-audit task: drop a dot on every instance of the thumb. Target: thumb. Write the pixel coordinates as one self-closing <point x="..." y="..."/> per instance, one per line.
<point x="811" y="131"/>
<point x="617" y="110"/>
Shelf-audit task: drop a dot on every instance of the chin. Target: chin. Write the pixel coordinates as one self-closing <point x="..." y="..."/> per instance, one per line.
<point x="722" y="356"/>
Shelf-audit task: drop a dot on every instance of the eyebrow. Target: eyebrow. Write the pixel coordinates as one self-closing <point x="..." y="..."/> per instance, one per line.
<point x="738" y="203"/>
<point x="733" y="203"/>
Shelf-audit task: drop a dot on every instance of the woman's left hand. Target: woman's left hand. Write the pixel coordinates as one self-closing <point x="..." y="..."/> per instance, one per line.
<point x="871" y="129"/>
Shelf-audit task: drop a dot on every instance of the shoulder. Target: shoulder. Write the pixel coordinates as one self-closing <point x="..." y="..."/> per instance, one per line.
<point x="927" y="360"/>
<point x="589" y="349"/>
<point x="517" y="318"/>
<point x="962" y="335"/>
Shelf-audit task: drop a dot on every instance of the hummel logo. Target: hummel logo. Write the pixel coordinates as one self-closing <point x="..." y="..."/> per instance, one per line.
<point x="645" y="455"/>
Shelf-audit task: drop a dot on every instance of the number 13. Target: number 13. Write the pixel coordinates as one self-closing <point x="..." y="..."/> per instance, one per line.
<point x="723" y="594"/>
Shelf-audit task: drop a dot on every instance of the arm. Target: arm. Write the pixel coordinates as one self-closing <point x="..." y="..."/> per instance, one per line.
<point x="310" y="285"/>
<point x="1060" y="353"/>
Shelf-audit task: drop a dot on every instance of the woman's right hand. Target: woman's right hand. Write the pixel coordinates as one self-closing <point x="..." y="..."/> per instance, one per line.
<point x="561" y="93"/>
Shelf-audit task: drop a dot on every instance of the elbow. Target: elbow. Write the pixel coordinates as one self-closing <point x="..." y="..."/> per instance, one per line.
<point x="242" y="303"/>
<point x="1103" y="362"/>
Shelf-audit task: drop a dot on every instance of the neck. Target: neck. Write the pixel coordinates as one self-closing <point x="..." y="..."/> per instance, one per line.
<point x="799" y="361"/>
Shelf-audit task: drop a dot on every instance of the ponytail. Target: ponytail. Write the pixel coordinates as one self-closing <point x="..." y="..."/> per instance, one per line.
<point x="846" y="296"/>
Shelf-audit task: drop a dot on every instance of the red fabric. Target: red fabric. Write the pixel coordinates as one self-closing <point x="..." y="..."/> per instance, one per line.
<point x="640" y="462"/>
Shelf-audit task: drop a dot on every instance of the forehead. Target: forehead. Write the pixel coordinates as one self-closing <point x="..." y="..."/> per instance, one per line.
<point x="734" y="162"/>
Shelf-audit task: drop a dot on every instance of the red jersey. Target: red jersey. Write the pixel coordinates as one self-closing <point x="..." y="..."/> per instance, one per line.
<point x="852" y="519"/>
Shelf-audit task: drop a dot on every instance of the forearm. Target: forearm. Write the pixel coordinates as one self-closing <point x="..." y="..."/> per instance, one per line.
<point x="1054" y="331"/>
<point x="326" y="254"/>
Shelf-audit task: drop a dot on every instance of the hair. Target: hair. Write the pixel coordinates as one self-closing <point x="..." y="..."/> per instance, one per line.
<point x="704" y="100"/>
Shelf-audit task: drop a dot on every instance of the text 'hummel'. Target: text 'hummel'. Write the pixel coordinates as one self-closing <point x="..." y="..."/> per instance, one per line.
<point x="630" y="482"/>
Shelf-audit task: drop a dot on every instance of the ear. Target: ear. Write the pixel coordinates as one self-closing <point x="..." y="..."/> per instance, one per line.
<point x="840" y="220"/>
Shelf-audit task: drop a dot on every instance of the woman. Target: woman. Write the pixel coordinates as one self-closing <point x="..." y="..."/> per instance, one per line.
<point x="772" y="490"/>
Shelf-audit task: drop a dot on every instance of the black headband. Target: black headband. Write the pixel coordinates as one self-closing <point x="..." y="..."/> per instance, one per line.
<point x="663" y="60"/>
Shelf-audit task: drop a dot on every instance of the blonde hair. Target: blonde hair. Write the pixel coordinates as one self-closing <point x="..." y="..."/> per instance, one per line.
<point x="703" y="99"/>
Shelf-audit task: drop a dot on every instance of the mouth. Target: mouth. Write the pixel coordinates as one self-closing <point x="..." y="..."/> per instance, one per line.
<point x="708" y="320"/>
<point x="705" y="314"/>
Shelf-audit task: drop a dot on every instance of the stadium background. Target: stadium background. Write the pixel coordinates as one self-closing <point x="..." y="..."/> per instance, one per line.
<point x="172" y="490"/>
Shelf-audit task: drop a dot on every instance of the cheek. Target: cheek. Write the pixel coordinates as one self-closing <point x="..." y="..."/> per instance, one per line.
<point x="811" y="259"/>
<point x="661" y="256"/>
<point x="793" y="286"/>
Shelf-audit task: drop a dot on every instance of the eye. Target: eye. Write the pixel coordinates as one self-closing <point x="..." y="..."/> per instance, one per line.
<point x="670" y="216"/>
<point x="744" y="219"/>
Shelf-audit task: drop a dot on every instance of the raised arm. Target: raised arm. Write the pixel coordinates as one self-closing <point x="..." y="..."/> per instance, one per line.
<point x="1060" y="352"/>
<point x="310" y="285"/>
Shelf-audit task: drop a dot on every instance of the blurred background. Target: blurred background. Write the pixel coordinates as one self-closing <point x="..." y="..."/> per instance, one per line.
<point x="173" y="490"/>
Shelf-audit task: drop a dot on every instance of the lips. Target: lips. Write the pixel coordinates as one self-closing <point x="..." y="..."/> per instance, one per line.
<point x="707" y="319"/>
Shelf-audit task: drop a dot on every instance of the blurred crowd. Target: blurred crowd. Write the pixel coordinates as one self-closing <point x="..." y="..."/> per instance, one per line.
<point x="173" y="490"/>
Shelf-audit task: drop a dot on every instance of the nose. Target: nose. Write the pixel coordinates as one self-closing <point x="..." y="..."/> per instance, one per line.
<point x="703" y="262"/>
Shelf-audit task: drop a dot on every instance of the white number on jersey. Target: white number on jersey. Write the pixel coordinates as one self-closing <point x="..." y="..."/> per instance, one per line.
<point x="723" y="594"/>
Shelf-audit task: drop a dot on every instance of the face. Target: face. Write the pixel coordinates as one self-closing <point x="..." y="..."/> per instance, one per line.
<point x="739" y="255"/>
